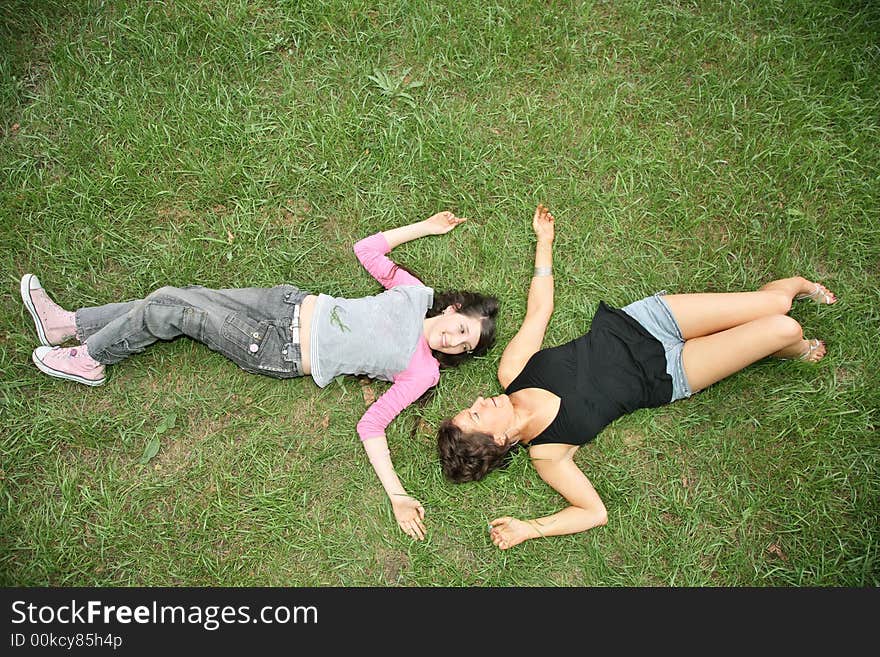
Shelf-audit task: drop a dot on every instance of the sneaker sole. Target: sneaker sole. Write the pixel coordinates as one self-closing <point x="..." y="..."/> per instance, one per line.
<point x="29" y="304"/>
<point x="64" y="375"/>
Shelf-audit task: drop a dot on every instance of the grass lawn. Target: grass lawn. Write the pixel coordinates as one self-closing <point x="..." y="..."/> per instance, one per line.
<point x="687" y="146"/>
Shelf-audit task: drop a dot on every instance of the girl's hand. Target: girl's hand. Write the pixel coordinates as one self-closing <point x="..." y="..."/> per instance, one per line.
<point x="442" y="222"/>
<point x="507" y="532"/>
<point x="543" y="224"/>
<point x="409" y="513"/>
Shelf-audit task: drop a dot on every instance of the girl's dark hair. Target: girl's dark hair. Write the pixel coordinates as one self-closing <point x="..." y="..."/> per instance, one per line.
<point x="469" y="456"/>
<point x="473" y="304"/>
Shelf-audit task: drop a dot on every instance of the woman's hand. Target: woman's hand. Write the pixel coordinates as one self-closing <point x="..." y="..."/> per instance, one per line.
<point x="507" y="532"/>
<point x="543" y="224"/>
<point x="442" y="222"/>
<point x="409" y="513"/>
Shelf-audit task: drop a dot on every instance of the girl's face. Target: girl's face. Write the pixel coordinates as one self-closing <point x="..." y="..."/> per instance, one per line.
<point x="454" y="333"/>
<point x="493" y="415"/>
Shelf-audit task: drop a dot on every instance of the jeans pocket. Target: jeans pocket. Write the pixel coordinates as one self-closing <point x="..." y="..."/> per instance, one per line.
<point x="255" y="346"/>
<point x="117" y="352"/>
<point x="193" y="323"/>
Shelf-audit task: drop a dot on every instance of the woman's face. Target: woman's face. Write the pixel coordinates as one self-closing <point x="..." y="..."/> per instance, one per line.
<point x="492" y="415"/>
<point x="454" y="333"/>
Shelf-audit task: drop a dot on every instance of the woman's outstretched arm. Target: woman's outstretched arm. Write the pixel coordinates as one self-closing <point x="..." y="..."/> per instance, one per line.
<point x="555" y="464"/>
<point x="539" y="308"/>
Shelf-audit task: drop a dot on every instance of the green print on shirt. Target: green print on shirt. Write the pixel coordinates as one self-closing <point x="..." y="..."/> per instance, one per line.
<point x="334" y="319"/>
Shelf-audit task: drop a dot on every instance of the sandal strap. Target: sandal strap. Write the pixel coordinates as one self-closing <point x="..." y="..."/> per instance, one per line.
<point x="815" y="294"/>
<point x="811" y="347"/>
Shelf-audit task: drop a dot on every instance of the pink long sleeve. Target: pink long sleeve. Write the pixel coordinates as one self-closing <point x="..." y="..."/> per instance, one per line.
<point x="422" y="373"/>
<point x="371" y="253"/>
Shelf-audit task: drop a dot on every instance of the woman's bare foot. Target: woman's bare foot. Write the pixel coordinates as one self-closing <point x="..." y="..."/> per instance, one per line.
<point x="811" y="351"/>
<point x="817" y="292"/>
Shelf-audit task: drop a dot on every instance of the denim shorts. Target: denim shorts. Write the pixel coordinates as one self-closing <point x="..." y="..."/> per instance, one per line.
<point x="654" y="315"/>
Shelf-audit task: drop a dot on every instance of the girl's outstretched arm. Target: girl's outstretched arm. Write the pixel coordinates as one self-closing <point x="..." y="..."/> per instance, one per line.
<point x="438" y="224"/>
<point x="372" y="250"/>
<point x="408" y="386"/>
<point x="408" y="511"/>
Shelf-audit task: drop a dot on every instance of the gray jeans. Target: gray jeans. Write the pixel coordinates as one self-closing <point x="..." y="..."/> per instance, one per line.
<point x="250" y="326"/>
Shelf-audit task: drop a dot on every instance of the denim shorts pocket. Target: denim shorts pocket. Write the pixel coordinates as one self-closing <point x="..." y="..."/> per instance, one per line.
<point x="255" y="346"/>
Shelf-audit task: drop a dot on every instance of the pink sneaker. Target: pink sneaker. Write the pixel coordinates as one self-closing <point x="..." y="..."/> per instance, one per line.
<point x="72" y="363"/>
<point x="54" y="324"/>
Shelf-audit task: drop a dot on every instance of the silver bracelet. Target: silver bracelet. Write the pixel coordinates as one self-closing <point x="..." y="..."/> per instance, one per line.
<point x="543" y="271"/>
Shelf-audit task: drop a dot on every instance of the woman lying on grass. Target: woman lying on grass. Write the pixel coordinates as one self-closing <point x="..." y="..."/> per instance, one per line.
<point x="652" y="352"/>
<point x="404" y="335"/>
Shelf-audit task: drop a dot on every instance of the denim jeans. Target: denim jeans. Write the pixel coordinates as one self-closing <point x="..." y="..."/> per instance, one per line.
<point x="250" y="326"/>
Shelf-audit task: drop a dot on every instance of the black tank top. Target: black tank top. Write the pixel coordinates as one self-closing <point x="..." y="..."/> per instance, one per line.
<point x="616" y="368"/>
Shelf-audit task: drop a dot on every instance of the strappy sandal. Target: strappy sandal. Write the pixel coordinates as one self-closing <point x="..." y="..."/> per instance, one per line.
<point x="817" y="295"/>
<point x="813" y="344"/>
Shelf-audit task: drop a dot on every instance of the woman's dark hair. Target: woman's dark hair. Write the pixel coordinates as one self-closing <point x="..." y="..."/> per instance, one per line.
<point x="473" y="304"/>
<point x="469" y="456"/>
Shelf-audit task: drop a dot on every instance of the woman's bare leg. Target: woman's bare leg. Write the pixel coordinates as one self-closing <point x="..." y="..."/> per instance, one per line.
<point x="704" y="314"/>
<point x="710" y="358"/>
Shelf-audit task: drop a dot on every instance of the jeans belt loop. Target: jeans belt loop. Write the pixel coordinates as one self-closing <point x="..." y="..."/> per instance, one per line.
<point x="294" y="324"/>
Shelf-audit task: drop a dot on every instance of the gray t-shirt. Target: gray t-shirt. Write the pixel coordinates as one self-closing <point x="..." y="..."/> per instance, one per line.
<point x="374" y="336"/>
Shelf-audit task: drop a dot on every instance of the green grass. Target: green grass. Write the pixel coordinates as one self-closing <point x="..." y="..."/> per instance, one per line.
<point x="685" y="146"/>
